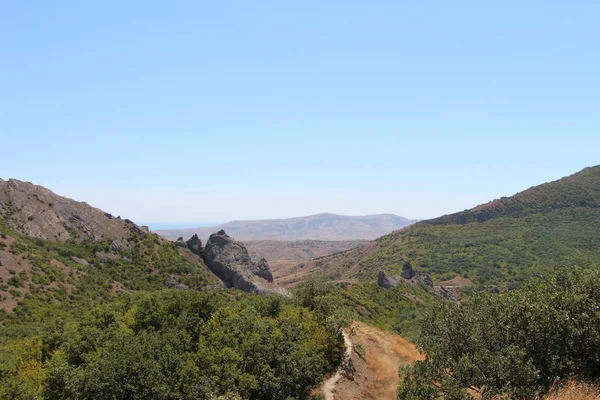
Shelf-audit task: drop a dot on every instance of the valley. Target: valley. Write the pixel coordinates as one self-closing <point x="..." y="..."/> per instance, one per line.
<point x="69" y="270"/>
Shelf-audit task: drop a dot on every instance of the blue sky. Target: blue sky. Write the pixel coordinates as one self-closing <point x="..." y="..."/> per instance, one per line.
<point x="191" y="111"/>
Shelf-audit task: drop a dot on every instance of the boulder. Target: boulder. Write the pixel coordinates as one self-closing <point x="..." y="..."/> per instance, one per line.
<point x="80" y="261"/>
<point x="106" y="256"/>
<point x="119" y="245"/>
<point x="407" y="271"/>
<point x="385" y="281"/>
<point x="228" y="259"/>
<point x="181" y="286"/>
<point x="171" y="281"/>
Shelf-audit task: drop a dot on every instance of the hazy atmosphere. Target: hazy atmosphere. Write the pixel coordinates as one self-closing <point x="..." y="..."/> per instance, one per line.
<point x="204" y="112"/>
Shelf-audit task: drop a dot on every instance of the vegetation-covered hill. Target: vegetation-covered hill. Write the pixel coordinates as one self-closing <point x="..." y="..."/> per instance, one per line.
<point x="507" y="240"/>
<point x="581" y="190"/>
<point x="70" y="273"/>
<point x="93" y="306"/>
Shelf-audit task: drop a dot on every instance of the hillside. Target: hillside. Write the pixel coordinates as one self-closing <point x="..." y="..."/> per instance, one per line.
<point x="315" y="227"/>
<point x="39" y="213"/>
<point x="274" y="250"/>
<point x="501" y="242"/>
<point x="93" y="306"/>
<point x="54" y="249"/>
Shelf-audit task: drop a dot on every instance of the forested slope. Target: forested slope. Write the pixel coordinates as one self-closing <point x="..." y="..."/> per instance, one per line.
<point x="502" y="242"/>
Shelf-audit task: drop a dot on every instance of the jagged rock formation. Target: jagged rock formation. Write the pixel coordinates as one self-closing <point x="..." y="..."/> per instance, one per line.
<point x="385" y="281"/>
<point x="409" y="275"/>
<point x="229" y="260"/>
<point x="261" y="269"/>
<point x="408" y="272"/>
<point x="195" y="245"/>
<point x="40" y="213"/>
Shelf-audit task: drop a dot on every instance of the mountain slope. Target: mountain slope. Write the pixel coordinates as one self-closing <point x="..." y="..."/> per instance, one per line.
<point x="314" y="227"/>
<point x="60" y="251"/>
<point x="579" y="190"/>
<point x="40" y="213"/>
<point x="507" y="240"/>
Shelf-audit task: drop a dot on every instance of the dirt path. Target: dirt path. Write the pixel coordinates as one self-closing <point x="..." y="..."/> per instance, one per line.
<point x="329" y="384"/>
<point x="371" y="371"/>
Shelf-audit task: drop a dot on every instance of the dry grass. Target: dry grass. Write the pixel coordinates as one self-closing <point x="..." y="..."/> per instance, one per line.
<point x="575" y="391"/>
<point x="374" y="376"/>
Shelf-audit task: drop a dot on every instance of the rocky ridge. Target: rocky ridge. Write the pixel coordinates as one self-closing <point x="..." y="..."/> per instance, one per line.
<point x="410" y="275"/>
<point x="40" y="213"/>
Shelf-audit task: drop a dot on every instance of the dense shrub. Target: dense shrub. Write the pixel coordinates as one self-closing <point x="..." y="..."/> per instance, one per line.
<point x="514" y="344"/>
<point x="172" y="345"/>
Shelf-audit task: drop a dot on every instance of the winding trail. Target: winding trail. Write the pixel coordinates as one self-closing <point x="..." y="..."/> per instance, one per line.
<point x="329" y="384"/>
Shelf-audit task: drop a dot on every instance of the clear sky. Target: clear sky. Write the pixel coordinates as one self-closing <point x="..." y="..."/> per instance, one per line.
<point x="193" y="111"/>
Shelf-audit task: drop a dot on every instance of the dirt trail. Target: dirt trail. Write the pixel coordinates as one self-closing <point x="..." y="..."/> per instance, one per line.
<point x="372" y="368"/>
<point x="329" y="384"/>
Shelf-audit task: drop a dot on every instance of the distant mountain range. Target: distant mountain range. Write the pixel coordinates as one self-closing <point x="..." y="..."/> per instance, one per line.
<point x="314" y="227"/>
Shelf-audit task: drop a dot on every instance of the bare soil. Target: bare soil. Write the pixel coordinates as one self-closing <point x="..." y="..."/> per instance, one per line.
<point x="372" y="372"/>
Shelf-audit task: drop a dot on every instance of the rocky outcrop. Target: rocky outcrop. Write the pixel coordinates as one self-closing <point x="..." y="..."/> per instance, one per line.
<point x="261" y="269"/>
<point x="119" y="245"/>
<point x="181" y="243"/>
<point x="446" y="293"/>
<point x="408" y="274"/>
<point x="171" y="281"/>
<point x="40" y="213"/>
<point x="407" y="271"/>
<point x="81" y="261"/>
<point x="195" y="245"/>
<point x="426" y="280"/>
<point x="228" y="259"/>
<point x="385" y="281"/>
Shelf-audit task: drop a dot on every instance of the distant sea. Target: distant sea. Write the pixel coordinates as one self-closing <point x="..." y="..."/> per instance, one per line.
<point x="154" y="226"/>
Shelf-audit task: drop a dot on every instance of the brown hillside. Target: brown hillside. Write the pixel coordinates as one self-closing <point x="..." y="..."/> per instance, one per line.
<point x="40" y="213"/>
<point x="313" y="227"/>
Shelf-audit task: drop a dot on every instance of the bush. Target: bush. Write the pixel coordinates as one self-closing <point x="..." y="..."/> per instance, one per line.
<point x="512" y="344"/>
<point x="172" y="344"/>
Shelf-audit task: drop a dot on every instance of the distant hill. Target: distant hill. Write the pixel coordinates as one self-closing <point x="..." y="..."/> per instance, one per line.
<point x="314" y="227"/>
<point x="273" y="250"/>
<point x="501" y="242"/>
